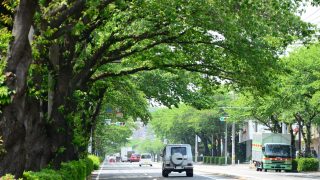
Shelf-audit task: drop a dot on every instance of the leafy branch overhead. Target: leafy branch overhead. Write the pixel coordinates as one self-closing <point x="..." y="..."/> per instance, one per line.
<point x="208" y="37"/>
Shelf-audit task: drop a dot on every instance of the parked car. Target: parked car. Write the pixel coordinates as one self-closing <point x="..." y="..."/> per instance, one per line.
<point x="134" y="158"/>
<point x="145" y="159"/>
<point x="177" y="158"/>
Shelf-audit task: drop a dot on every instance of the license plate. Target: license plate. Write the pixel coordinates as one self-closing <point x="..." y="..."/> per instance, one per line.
<point x="179" y="167"/>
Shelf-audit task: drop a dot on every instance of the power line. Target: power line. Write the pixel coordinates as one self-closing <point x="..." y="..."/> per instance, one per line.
<point x="311" y="14"/>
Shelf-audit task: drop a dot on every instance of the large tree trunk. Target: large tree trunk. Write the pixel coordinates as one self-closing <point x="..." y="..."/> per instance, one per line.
<point x="61" y="131"/>
<point x="16" y="122"/>
<point x="205" y="144"/>
<point x="307" y="139"/>
<point x="292" y="140"/>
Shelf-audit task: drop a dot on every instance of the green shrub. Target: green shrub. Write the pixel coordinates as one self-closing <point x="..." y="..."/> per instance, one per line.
<point x="308" y="164"/>
<point x="216" y="160"/>
<point x="7" y="177"/>
<point x="96" y="161"/>
<point x="221" y="160"/>
<point x="208" y="160"/>
<point x="44" y="174"/>
<point x="72" y="170"/>
<point x="205" y="159"/>
<point x="213" y="160"/>
<point x="294" y="165"/>
<point x="89" y="165"/>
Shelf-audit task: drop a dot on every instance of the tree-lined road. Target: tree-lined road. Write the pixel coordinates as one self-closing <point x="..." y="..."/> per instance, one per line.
<point x="132" y="171"/>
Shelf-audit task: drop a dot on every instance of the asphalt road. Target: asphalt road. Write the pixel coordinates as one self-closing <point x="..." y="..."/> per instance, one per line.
<point x="132" y="171"/>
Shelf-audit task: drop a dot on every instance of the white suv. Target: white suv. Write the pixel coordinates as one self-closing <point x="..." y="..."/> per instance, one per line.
<point x="177" y="158"/>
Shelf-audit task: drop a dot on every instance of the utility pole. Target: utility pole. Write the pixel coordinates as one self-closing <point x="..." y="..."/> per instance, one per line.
<point x="225" y="145"/>
<point x="196" y="150"/>
<point x="212" y="145"/>
<point x="233" y="143"/>
<point x="299" y="140"/>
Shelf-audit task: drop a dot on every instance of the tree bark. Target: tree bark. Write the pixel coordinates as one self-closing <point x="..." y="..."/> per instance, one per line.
<point x="17" y="120"/>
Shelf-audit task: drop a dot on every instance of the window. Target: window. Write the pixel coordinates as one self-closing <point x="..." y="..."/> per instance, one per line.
<point x="181" y="150"/>
<point x="145" y="156"/>
<point x="277" y="150"/>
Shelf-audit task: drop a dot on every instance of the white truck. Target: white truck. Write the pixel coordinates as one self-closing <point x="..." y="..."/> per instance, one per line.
<point x="272" y="151"/>
<point x="125" y="153"/>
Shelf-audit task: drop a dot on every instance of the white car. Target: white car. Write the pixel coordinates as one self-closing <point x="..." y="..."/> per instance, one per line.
<point x="145" y="159"/>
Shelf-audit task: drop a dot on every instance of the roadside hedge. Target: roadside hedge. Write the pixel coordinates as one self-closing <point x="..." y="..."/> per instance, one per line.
<point x="308" y="164"/>
<point x="215" y="160"/>
<point x="72" y="170"/>
<point x="96" y="161"/>
<point x="294" y="165"/>
<point x="7" y="177"/>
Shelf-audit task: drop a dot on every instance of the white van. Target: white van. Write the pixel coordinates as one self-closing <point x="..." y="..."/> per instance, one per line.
<point x="145" y="159"/>
<point x="177" y="158"/>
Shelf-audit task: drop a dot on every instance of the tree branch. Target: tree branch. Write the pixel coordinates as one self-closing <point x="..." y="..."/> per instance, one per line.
<point x="145" y="68"/>
<point x="77" y="7"/>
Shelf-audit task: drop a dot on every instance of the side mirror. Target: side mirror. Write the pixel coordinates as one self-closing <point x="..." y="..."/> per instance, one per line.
<point x="263" y="149"/>
<point x="161" y="155"/>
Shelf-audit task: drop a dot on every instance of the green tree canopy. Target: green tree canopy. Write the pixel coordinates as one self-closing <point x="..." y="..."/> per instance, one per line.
<point x="78" y="48"/>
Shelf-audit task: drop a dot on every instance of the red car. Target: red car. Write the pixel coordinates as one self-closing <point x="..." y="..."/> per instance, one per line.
<point x="134" y="158"/>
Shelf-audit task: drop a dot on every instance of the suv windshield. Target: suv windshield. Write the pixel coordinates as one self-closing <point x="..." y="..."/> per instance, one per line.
<point x="277" y="150"/>
<point x="181" y="150"/>
<point x="145" y="156"/>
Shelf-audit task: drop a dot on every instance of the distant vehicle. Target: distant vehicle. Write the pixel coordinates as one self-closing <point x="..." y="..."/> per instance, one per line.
<point x="271" y="151"/>
<point x="177" y="158"/>
<point x="126" y="153"/>
<point x="145" y="159"/>
<point x="112" y="158"/>
<point x="134" y="158"/>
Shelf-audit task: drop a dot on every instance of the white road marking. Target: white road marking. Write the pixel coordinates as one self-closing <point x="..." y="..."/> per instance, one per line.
<point x="97" y="178"/>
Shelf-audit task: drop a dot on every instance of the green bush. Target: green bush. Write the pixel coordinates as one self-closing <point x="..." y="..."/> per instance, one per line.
<point x="221" y="160"/>
<point x="96" y="161"/>
<point x="89" y="165"/>
<point x="72" y="170"/>
<point x="7" y="177"/>
<point x="208" y="159"/>
<point x="294" y="165"/>
<point x="308" y="164"/>
<point x="44" y="174"/>
<point x="216" y="160"/>
<point x="211" y="160"/>
<point x="205" y="158"/>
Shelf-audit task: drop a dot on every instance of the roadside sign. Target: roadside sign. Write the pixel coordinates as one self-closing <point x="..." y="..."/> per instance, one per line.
<point x="107" y="121"/>
<point x="223" y="118"/>
<point x="109" y="110"/>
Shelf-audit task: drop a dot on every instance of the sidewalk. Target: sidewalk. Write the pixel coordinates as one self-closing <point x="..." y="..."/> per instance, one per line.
<point x="243" y="171"/>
